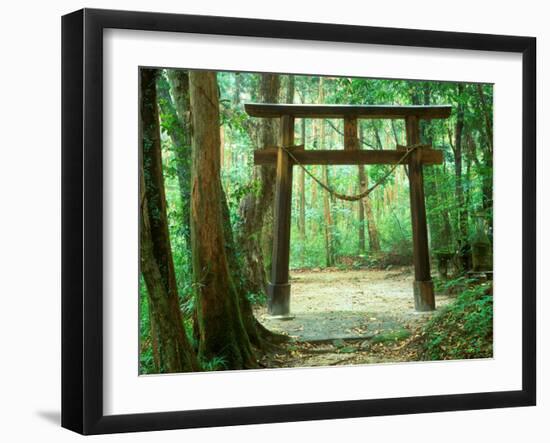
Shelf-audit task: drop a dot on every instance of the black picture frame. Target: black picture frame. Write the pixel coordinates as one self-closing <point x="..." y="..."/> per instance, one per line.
<point x="82" y="219"/>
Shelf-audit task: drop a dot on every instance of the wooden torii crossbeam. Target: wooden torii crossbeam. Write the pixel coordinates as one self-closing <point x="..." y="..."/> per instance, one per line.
<point x="279" y="287"/>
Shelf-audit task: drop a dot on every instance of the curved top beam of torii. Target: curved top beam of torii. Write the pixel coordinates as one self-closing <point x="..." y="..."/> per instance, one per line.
<point x="424" y="112"/>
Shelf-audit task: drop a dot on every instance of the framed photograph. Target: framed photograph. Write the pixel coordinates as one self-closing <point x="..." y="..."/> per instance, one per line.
<point x="269" y="221"/>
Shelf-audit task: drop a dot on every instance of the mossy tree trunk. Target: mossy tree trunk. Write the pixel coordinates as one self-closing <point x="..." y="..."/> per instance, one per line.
<point x="175" y="119"/>
<point x="156" y="261"/>
<point x="222" y="333"/>
<point x="256" y="208"/>
<point x="259" y="336"/>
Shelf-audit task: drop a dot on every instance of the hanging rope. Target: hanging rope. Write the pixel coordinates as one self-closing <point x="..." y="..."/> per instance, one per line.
<point x="353" y="198"/>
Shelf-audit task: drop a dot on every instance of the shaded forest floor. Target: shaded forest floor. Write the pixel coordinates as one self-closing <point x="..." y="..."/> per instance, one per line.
<point x="349" y="317"/>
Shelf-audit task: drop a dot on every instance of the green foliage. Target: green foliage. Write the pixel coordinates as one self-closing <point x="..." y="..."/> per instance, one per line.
<point x="214" y="364"/>
<point x="454" y="285"/>
<point x="146" y="363"/>
<point x="463" y="329"/>
<point x="392" y="336"/>
<point x="256" y="299"/>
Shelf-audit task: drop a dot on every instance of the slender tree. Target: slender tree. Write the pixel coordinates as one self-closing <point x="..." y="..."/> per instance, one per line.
<point x="458" y="148"/>
<point x="365" y="208"/>
<point x="302" y="192"/>
<point x="175" y="121"/>
<point x="290" y="89"/>
<point x="361" y="211"/>
<point x="328" y="227"/>
<point x="156" y="261"/>
<point x="487" y="180"/>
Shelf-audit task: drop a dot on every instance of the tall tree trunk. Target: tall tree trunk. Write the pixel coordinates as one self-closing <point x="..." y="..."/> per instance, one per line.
<point x="361" y="211"/>
<point x="258" y="335"/>
<point x="328" y="220"/>
<point x="394" y="132"/>
<point x="156" y="261"/>
<point x="446" y="234"/>
<point x="374" y="239"/>
<point x="290" y="89"/>
<point x="302" y="196"/>
<point x="314" y="187"/>
<point x="221" y="328"/>
<point x="256" y="208"/>
<point x="361" y="205"/>
<point x="459" y="188"/>
<point x="237" y="91"/>
<point x="326" y="196"/>
<point x="468" y="178"/>
<point x="302" y="192"/>
<point x="379" y="144"/>
<point x="487" y="114"/>
<point x="436" y="220"/>
<point x="176" y="115"/>
<point x="487" y="184"/>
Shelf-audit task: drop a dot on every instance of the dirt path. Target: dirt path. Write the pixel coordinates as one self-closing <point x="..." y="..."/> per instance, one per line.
<point x="366" y="315"/>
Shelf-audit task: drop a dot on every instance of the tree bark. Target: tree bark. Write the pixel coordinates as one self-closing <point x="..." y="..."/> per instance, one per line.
<point x="374" y="239"/>
<point x="290" y="89"/>
<point x="256" y="208"/>
<point x="487" y="114"/>
<point x="361" y="212"/>
<point x="259" y="336"/>
<point x="237" y="92"/>
<point x="487" y="183"/>
<point x="459" y="188"/>
<point x="445" y="237"/>
<point x="328" y="220"/>
<point x="326" y="198"/>
<point x="430" y="176"/>
<point x="366" y="203"/>
<point x="302" y="192"/>
<point x="156" y="261"/>
<point x="221" y="329"/>
<point x="361" y="205"/>
<point x="394" y="132"/>
<point x="176" y="114"/>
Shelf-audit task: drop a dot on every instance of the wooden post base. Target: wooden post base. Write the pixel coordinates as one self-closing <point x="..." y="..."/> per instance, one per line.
<point x="424" y="296"/>
<point x="278" y="303"/>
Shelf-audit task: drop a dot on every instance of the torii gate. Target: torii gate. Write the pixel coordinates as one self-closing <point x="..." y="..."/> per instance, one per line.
<point x="279" y="287"/>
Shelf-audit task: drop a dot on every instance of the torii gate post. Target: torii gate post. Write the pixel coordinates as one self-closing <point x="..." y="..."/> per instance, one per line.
<point x="278" y="291"/>
<point x="423" y="286"/>
<point x="279" y="287"/>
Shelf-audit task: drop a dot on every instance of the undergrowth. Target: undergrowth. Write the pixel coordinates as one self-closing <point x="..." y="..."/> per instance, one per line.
<point x="463" y="329"/>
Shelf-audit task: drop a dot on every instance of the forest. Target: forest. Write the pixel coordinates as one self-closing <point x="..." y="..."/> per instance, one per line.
<point x="207" y="215"/>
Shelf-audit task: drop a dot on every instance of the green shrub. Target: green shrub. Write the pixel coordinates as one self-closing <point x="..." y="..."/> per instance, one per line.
<point x="463" y="329"/>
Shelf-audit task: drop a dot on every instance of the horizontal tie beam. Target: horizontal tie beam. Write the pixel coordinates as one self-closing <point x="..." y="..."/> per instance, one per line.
<point x="268" y="156"/>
